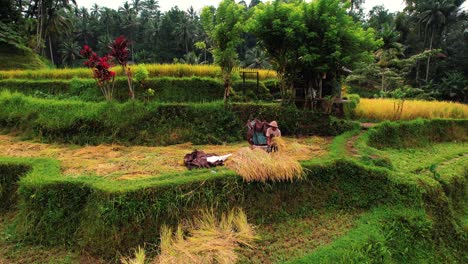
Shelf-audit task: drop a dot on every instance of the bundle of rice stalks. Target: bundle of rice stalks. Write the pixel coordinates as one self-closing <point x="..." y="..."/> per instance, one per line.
<point x="209" y="240"/>
<point x="258" y="165"/>
<point x="139" y="258"/>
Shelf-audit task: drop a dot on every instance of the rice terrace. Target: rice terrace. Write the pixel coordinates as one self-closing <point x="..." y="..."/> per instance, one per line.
<point x="226" y="131"/>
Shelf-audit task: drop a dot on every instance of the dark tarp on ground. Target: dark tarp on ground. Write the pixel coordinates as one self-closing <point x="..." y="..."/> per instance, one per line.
<point x="197" y="160"/>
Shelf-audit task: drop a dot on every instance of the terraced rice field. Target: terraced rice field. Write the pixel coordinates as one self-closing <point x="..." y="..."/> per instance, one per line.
<point x="122" y="162"/>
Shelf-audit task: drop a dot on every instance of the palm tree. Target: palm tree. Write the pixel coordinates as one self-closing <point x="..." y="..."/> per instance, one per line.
<point x="256" y="58"/>
<point x="59" y="24"/>
<point x="355" y="4"/>
<point x="46" y="11"/>
<point x="106" y="18"/>
<point x="95" y="10"/>
<point x="184" y="31"/>
<point x="151" y="7"/>
<point x="136" y="5"/>
<point x="69" y="52"/>
<point x="84" y="30"/>
<point x="129" y="17"/>
<point x="189" y="58"/>
<point x="390" y="51"/>
<point x="433" y="18"/>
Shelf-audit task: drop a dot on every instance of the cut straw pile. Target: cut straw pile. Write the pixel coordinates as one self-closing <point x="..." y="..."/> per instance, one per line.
<point x="258" y="165"/>
<point x="209" y="240"/>
<point x="205" y="240"/>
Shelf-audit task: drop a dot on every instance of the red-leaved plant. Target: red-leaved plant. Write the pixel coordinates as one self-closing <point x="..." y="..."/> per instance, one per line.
<point x="100" y="66"/>
<point x="120" y="52"/>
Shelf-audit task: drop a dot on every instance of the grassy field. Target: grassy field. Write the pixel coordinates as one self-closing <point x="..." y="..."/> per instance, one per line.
<point x="361" y="203"/>
<point x="385" y="109"/>
<point x="154" y="70"/>
<point x="285" y="240"/>
<point x="295" y="237"/>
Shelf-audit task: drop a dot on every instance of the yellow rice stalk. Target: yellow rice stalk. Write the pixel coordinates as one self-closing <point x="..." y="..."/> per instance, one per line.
<point x="209" y="240"/>
<point x="258" y="165"/>
<point x="383" y="109"/>
<point x="154" y="70"/>
<point x="139" y="258"/>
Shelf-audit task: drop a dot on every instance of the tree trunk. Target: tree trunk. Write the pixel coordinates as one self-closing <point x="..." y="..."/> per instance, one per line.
<point x="429" y="58"/>
<point x="39" y="26"/>
<point x="227" y="87"/>
<point x="383" y="81"/>
<point x="417" y="73"/>
<point x="129" y="81"/>
<point x="320" y="86"/>
<point x="50" y="49"/>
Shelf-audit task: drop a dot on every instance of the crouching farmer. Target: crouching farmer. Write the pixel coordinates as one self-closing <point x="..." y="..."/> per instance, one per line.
<point x="272" y="131"/>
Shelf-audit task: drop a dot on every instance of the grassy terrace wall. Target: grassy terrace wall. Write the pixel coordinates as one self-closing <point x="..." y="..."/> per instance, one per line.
<point x="152" y="123"/>
<point x="418" y="133"/>
<point x="154" y="70"/>
<point x="103" y="216"/>
<point x="86" y="212"/>
<point x="166" y="89"/>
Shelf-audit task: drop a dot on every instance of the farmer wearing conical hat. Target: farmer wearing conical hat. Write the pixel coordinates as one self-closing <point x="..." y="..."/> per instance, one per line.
<point x="272" y="131"/>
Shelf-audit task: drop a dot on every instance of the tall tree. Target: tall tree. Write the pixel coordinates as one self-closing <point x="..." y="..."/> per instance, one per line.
<point x="433" y="18"/>
<point x="225" y="28"/>
<point x="69" y="52"/>
<point x="312" y="42"/>
<point x="276" y="25"/>
<point x="256" y="58"/>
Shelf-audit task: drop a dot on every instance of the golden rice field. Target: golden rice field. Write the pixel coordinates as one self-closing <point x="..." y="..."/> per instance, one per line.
<point x="385" y="109"/>
<point x="124" y="163"/>
<point x="154" y="70"/>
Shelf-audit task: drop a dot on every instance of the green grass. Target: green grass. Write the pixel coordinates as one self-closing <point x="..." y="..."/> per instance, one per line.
<point x="389" y="235"/>
<point x="296" y="237"/>
<point x="22" y="253"/>
<point x="139" y="123"/>
<point x="410" y="217"/>
<point x="16" y="58"/>
<point x="415" y="160"/>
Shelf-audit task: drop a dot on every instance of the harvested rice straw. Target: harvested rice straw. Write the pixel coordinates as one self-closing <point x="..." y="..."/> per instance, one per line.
<point x="209" y="240"/>
<point x="258" y="165"/>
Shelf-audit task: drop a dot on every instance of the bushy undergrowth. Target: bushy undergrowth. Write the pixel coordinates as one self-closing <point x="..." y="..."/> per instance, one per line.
<point x="416" y="133"/>
<point x="166" y="89"/>
<point x="154" y="70"/>
<point x="9" y="177"/>
<point x="19" y="57"/>
<point x="151" y="123"/>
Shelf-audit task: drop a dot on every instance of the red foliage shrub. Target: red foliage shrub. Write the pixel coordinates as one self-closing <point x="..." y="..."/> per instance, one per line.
<point x="101" y="73"/>
<point x="120" y="51"/>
